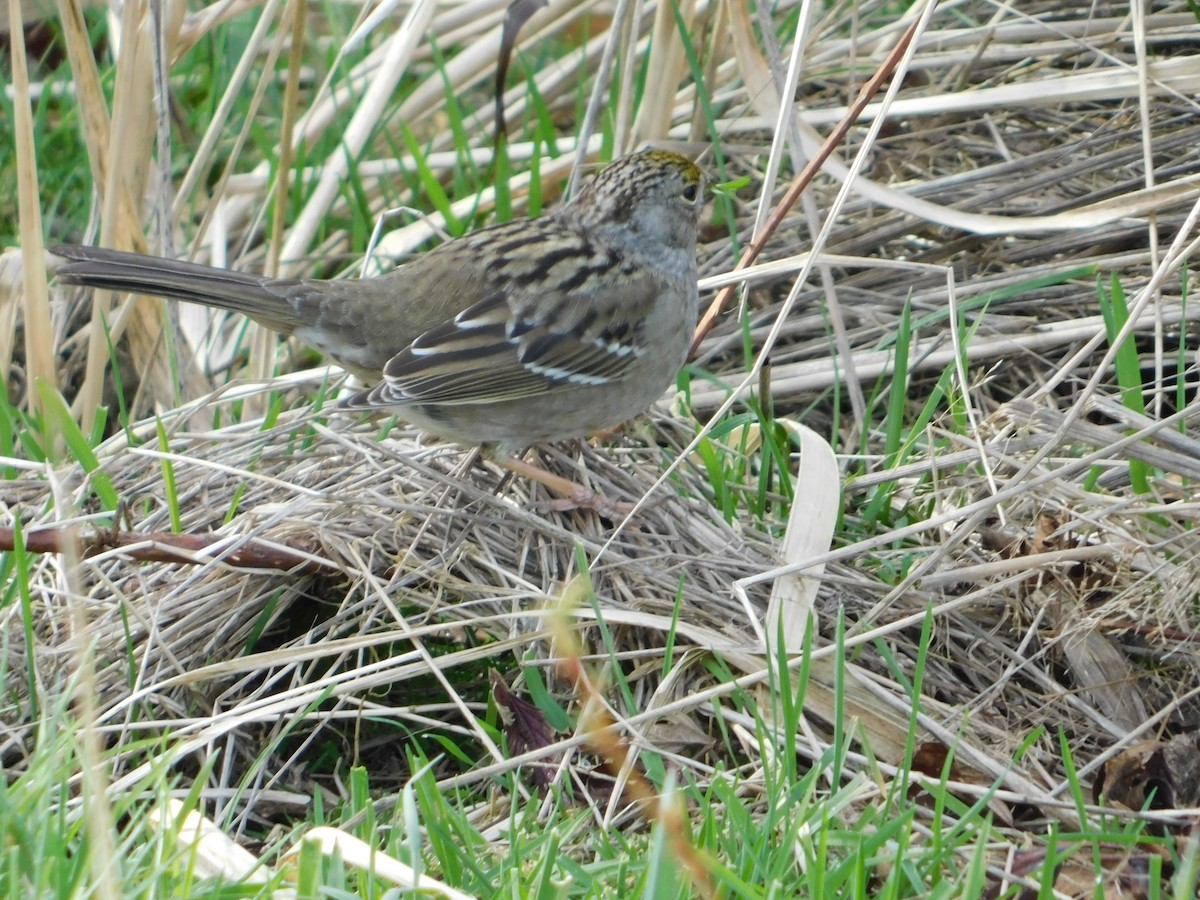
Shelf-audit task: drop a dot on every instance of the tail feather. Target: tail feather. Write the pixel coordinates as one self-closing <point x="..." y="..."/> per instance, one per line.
<point x="263" y="299"/>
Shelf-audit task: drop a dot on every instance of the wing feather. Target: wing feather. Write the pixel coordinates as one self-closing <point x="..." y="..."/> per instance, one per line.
<point x="501" y="349"/>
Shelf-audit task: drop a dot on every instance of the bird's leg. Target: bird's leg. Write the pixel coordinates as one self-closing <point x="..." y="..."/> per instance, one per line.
<point x="572" y="495"/>
<point x="607" y="435"/>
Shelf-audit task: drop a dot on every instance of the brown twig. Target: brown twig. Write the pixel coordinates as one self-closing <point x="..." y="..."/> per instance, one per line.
<point x="167" y="547"/>
<point x="869" y="90"/>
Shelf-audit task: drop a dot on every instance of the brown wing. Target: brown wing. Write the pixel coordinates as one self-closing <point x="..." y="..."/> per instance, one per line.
<point x="506" y="347"/>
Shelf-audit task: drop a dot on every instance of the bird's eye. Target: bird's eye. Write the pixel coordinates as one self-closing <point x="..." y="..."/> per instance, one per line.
<point x="689" y="193"/>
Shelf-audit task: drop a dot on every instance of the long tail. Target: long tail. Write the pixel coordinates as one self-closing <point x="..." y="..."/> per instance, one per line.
<point x="264" y="299"/>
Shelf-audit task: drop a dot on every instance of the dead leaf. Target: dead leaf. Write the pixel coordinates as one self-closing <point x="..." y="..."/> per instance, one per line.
<point x="1152" y="774"/>
<point x="524" y="725"/>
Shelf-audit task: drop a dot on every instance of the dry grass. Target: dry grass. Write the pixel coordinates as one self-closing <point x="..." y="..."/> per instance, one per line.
<point x="1026" y="157"/>
<point x="422" y="554"/>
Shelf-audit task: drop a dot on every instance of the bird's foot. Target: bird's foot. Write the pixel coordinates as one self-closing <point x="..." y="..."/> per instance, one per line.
<point x="571" y="495"/>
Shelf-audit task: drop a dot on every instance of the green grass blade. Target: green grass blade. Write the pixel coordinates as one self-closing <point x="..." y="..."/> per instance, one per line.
<point x="58" y="417"/>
